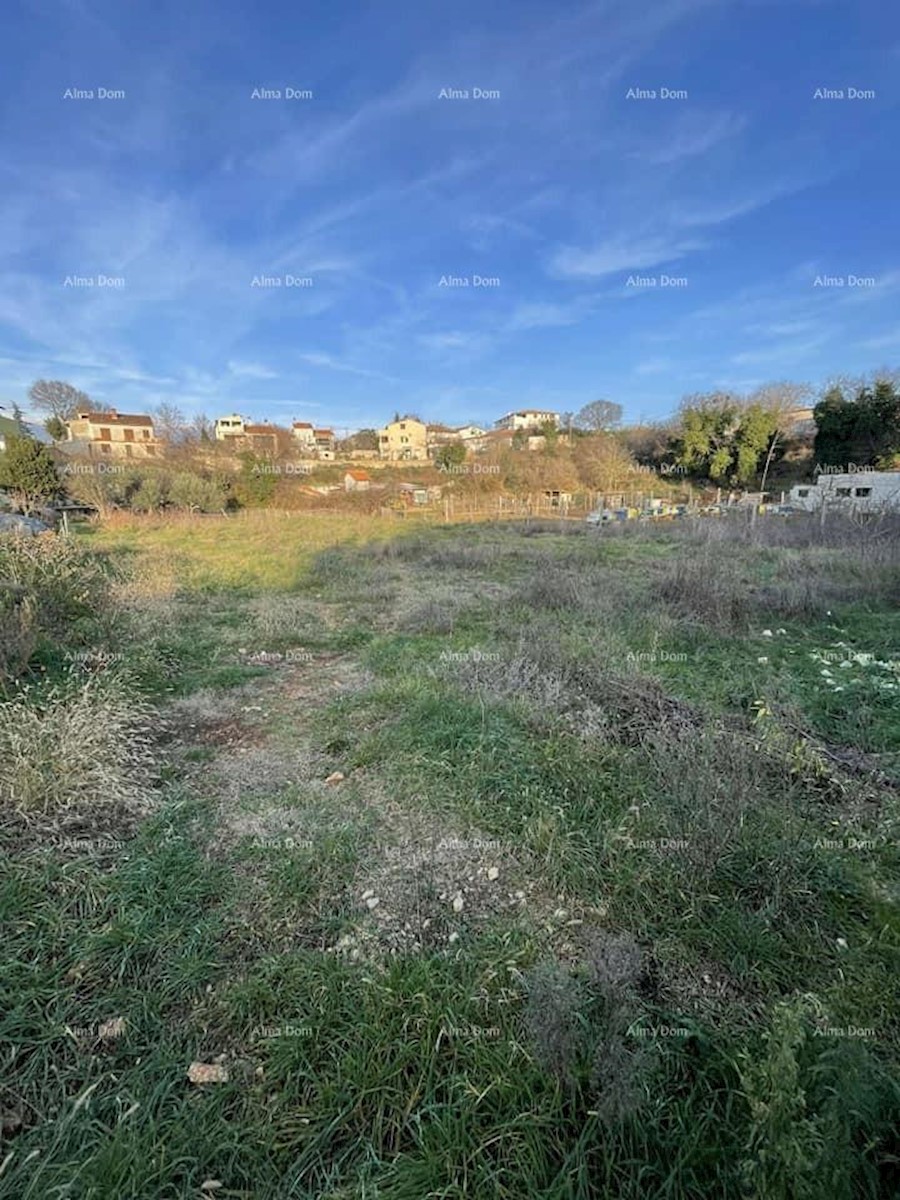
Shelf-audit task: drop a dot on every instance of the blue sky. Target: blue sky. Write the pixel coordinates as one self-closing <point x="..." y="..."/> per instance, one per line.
<point x="374" y="188"/>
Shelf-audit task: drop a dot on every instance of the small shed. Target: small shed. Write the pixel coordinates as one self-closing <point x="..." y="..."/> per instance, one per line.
<point x="357" y="481"/>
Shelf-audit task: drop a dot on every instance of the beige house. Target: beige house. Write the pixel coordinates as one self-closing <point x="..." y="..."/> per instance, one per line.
<point x="229" y="427"/>
<point x="471" y="436"/>
<point x="324" y="443"/>
<point x="113" y="435"/>
<point x="263" y="437"/>
<point x="406" y="438"/>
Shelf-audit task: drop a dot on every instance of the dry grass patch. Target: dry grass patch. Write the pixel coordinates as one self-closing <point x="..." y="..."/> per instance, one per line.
<point x="80" y="747"/>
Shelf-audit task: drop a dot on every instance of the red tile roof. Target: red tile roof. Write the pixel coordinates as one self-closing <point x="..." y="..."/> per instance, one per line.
<point x="115" y="418"/>
<point x="261" y="430"/>
<point x="359" y="476"/>
<point x="324" y="433"/>
<point x="302" y="425"/>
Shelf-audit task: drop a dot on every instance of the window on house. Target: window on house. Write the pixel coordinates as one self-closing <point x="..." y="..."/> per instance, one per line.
<point x="864" y="491"/>
<point x="105" y="449"/>
<point x="146" y="433"/>
<point x="129" y="435"/>
<point x="129" y="453"/>
<point x="803" y="492"/>
<point x="104" y="435"/>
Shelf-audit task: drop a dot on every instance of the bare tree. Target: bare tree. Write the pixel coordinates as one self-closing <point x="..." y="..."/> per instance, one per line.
<point x="602" y="462"/>
<point x="169" y="423"/>
<point x="58" y="399"/>
<point x="599" y="416"/>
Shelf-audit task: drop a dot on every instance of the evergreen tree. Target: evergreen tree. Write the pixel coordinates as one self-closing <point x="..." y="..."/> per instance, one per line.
<point x="28" y="473"/>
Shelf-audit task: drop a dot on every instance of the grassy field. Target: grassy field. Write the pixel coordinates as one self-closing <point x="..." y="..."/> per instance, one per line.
<point x="464" y="861"/>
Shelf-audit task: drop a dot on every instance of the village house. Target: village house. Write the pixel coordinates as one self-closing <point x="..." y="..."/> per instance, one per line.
<point x="859" y="492"/>
<point x="469" y="436"/>
<point x="263" y="438"/>
<point x="229" y="427"/>
<point x="472" y="437"/>
<point x="112" y="434"/>
<point x="357" y="481"/>
<point x="509" y="439"/>
<point x="403" y="439"/>
<point x="324" y="444"/>
<point x="527" y="418"/>
<point x="437" y="435"/>
<point x="304" y="436"/>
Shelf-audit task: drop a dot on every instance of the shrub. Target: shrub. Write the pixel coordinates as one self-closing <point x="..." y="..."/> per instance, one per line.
<point x="29" y="473"/>
<point x="68" y="749"/>
<point x="707" y="589"/>
<point x="66" y="583"/>
<point x="18" y="630"/>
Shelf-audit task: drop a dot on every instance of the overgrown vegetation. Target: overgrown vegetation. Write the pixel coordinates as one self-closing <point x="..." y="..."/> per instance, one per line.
<point x="501" y="860"/>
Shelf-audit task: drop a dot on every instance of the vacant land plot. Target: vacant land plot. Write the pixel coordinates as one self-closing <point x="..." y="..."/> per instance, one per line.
<point x="473" y="861"/>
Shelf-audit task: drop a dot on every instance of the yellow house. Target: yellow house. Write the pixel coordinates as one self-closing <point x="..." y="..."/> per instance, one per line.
<point x="405" y="438"/>
<point x="113" y="435"/>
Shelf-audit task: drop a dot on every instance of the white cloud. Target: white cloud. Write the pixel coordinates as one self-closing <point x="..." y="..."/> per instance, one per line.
<point x="251" y="370"/>
<point x="690" y="136"/>
<point x="620" y="254"/>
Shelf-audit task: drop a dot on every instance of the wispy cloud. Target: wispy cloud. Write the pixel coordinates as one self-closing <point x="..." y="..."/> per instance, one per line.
<point x="330" y="363"/>
<point x="251" y="370"/>
<point x="620" y="254"/>
<point x="691" y="136"/>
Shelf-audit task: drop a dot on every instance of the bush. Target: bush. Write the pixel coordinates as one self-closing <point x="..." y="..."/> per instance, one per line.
<point x="707" y="589"/>
<point x="18" y="630"/>
<point x="65" y="583"/>
<point x="29" y="473"/>
<point x="70" y="749"/>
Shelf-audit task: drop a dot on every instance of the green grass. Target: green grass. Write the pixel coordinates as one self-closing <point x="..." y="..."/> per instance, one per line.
<point x="677" y="790"/>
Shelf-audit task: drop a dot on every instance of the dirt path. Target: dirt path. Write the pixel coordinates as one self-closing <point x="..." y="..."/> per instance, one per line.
<point x="418" y="880"/>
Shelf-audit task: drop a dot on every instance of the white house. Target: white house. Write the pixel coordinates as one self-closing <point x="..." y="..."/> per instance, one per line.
<point x="230" y="426"/>
<point x="859" y="491"/>
<point x="304" y="435"/>
<point x="527" y="418"/>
